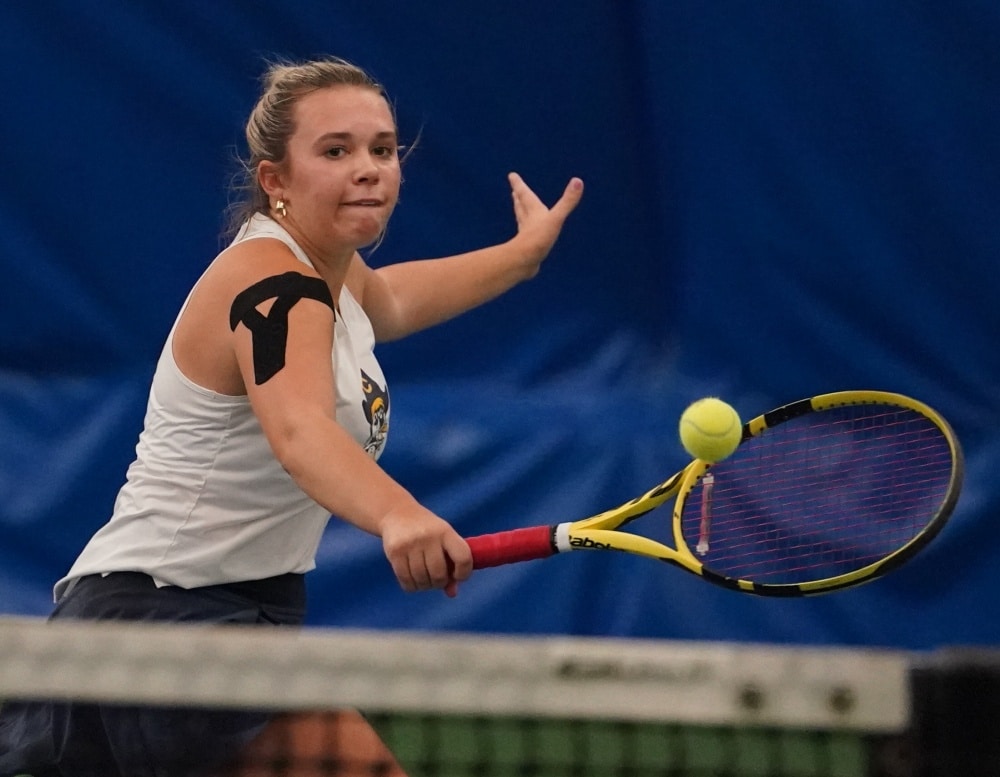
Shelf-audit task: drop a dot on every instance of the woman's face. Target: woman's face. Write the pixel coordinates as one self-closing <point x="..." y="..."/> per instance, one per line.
<point x="340" y="179"/>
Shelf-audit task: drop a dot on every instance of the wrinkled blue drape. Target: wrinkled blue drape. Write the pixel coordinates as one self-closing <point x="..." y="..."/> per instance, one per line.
<point x="782" y="199"/>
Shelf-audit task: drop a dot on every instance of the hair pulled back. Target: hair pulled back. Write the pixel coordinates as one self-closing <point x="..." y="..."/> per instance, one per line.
<point x="271" y="122"/>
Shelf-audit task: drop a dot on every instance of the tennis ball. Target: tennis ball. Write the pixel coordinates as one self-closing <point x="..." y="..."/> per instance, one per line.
<point x="710" y="429"/>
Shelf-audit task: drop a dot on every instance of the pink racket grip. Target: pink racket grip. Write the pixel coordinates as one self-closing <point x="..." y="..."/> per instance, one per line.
<point x="509" y="547"/>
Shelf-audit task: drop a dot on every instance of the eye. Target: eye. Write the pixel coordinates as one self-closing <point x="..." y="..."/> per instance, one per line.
<point x="384" y="152"/>
<point x="336" y="152"/>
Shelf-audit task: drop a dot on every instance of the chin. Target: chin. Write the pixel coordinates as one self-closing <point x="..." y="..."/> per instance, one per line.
<point x="370" y="235"/>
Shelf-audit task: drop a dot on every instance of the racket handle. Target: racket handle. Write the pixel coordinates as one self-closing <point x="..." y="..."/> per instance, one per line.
<point x="509" y="547"/>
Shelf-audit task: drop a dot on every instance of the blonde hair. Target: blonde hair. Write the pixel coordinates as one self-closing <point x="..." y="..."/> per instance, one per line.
<point x="271" y="123"/>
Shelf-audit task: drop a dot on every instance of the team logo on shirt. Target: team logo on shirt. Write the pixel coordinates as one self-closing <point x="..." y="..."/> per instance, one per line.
<point x="376" y="407"/>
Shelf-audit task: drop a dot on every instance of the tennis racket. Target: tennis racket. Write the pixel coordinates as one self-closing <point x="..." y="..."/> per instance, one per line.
<point x="821" y="494"/>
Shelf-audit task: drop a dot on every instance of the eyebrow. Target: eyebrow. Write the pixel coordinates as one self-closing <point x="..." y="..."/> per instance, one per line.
<point x="327" y="136"/>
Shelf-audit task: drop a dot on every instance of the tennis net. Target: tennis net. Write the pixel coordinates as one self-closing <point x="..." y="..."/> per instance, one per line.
<point x="462" y="705"/>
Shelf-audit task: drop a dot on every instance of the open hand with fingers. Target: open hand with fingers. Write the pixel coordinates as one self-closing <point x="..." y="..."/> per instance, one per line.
<point x="538" y="226"/>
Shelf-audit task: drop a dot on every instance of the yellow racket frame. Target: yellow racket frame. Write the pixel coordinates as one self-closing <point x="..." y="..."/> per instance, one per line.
<point x="602" y="531"/>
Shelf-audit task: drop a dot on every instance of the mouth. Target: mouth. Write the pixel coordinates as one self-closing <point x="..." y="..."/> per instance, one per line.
<point x="364" y="203"/>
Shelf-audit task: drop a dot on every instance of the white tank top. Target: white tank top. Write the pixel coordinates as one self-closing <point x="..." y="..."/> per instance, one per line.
<point x="205" y="500"/>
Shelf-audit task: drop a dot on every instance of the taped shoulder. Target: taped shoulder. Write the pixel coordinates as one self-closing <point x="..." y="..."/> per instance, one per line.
<point x="289" y="286"/>
<point x="270" y="332"/>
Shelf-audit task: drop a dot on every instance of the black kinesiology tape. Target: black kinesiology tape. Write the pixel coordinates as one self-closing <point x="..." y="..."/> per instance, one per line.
<point x="270" y="332"/>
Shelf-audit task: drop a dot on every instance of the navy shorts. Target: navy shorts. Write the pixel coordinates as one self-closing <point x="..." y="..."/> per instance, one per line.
<point x="46" y="739"/>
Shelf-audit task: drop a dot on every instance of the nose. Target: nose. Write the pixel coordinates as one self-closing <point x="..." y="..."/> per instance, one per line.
<point x="367" y="169"/>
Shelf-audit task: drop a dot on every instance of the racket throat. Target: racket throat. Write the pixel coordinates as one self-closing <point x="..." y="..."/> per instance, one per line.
<point x="565" y="539"/>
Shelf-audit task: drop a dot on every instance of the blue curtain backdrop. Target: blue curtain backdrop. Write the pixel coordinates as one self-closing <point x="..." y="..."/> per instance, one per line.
<point x="783" y="198"/>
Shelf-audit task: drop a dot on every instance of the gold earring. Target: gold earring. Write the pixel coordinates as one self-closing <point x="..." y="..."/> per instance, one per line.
<point x="279" y="206"/>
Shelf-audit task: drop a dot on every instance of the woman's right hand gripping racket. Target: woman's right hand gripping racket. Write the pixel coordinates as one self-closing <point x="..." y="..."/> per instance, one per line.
<point x="821" y="494"/>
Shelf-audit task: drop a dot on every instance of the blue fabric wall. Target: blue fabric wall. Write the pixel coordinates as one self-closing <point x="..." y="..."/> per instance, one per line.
<point x="782" y="198"/>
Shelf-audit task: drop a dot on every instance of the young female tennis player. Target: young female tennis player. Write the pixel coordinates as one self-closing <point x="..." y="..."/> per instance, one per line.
<point x="267" y="413"/>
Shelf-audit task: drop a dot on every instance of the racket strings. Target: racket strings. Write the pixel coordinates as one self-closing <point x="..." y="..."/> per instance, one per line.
<point x="820" y="496"/>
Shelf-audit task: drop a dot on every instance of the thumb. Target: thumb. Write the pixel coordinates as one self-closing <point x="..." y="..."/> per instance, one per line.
<point x="570" y="198"/>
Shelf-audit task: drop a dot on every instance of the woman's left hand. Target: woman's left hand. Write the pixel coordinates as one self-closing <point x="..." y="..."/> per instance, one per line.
<point x="538" y="226"/>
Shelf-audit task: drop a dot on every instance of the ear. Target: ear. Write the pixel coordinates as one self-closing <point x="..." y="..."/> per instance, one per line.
<point x="271" y="179"/>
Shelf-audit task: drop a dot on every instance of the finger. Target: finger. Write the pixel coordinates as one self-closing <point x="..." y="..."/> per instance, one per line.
<point x="419" y="573"/>
<point x="516" y="181"/>
<point x="522" y="193"/>
<point x="439" y="567"/>
<point x="459" y="557"/>
<point x="401" y="568"/>
<point x="571" y="197"/>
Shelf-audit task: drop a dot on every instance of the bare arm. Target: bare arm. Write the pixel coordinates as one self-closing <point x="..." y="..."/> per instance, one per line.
<point x="296" y="409"/>
<point x="409" y="296"/>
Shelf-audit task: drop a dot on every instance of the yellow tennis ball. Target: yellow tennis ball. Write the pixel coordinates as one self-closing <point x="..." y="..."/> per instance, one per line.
<point x="710" y="429"/>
